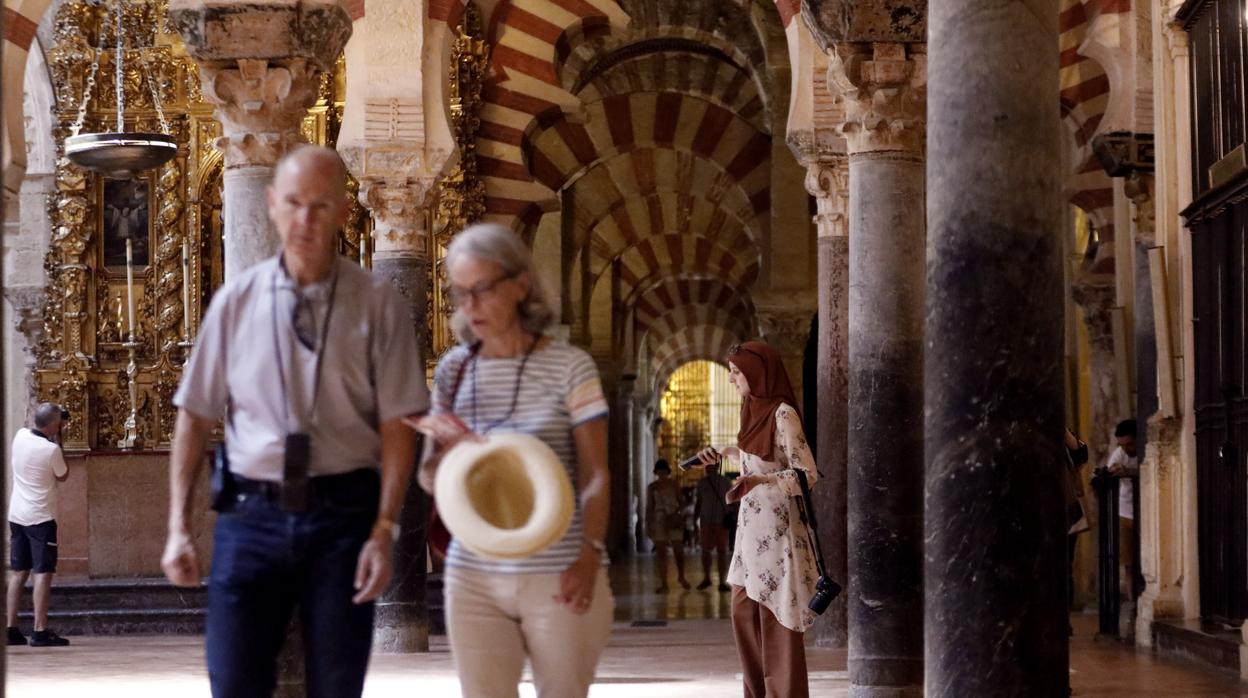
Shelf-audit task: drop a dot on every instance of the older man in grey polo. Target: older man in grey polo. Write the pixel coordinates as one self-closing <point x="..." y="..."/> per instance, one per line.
<point x="313" y="363"/>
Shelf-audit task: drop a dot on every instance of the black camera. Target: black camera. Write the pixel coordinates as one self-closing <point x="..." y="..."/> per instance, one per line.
<point x="826" y="590"/>
<point x="64" y="415"/>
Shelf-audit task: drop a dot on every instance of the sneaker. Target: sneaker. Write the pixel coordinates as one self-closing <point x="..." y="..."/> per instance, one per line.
<point x="47" y="638"/>
<point x="16" y="637"/>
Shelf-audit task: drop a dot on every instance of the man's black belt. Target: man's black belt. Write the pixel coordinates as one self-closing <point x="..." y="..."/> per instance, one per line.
<point x="319" y="486"/>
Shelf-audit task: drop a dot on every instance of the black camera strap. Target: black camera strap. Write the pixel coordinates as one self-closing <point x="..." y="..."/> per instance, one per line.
<point x="320" y="354"/>
<point x="806" y="507"/>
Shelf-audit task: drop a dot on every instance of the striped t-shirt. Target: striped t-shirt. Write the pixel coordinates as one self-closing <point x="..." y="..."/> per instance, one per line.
<point x="559" y="391"/>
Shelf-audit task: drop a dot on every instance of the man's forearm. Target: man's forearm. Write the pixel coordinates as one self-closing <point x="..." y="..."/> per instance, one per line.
<point x="190" y="440"/>
<point x="398" y="456"/>
<point x="596" y="505"/>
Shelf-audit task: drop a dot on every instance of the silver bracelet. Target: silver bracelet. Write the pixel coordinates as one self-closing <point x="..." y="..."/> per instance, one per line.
<point x="598" y="546"/>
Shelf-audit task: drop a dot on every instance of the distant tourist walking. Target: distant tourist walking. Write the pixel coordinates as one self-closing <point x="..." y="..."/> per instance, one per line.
<point x="665" y="524"/>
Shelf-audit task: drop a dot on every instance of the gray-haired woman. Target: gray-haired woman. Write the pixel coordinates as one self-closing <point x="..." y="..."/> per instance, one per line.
<point x="507" y="376"/>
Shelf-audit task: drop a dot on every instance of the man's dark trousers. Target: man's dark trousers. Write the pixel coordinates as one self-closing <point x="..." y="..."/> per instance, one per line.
<point x="265" y="563"/>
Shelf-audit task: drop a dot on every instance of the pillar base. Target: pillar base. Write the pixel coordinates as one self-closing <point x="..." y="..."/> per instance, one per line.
<point x="400" y="628"/>
<point x="885" y="691"/>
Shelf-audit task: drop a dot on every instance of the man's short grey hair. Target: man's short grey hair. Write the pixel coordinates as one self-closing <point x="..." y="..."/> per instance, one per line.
<point x="496" y="244"/>
<point x="47" y="414"/>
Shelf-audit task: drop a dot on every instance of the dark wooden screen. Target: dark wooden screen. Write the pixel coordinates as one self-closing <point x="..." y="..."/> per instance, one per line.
<point x="1218" y="219"/>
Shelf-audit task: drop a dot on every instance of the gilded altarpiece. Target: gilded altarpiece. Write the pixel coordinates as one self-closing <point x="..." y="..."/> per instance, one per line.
<point x="461" y="193"/>
<point x="80" y="358"/>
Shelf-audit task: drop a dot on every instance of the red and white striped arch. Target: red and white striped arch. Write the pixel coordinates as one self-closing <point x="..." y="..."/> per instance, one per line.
<point x="1089" y="32"/>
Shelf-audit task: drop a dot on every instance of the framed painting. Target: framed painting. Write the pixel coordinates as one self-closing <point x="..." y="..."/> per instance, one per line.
<point x="125" y="212"/>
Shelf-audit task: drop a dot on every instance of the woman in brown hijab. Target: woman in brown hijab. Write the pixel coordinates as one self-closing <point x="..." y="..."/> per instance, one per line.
<point x="773" y="570"/>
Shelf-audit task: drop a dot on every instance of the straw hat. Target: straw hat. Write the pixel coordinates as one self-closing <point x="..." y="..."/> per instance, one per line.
<point x="507" y="496"/>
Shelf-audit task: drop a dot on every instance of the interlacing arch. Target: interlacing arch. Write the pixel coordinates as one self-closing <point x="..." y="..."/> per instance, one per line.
<point x="705" y="342"/>
<point x="563" y="146"/>
<point x="605" y="192"/>
<point x="674" y="255"/>
<point x="1085" y="98"/>
<point x="635" y="219"/>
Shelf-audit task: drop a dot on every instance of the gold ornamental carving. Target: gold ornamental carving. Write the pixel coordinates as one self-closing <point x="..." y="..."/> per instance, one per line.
<point x="461" y="192"/>
<point x="78" y="342"/>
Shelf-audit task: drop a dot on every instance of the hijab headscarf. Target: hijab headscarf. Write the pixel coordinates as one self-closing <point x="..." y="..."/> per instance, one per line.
<point x="769" y="388"/>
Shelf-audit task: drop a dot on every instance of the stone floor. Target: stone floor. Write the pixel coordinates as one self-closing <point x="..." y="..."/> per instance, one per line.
<point x="690" y="655"/>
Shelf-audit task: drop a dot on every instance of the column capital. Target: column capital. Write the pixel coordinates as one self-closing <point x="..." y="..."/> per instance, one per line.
<point x="786" y="327"/>
<point x="260" y="64"/>
<point x="1177" y="40"/>
<point x="884" y="88"/>
<point x="396" y="184"/>
<point x="828" y="181"/>
<point x="1097" y="297"/>
<point x="1138" y="187"/>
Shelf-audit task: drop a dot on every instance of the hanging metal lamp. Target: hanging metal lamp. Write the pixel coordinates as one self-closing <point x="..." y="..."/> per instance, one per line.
<point x="118" y="154"/>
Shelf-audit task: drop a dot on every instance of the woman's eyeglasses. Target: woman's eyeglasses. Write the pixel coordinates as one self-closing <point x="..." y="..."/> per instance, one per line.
<point x="460" y="296"/>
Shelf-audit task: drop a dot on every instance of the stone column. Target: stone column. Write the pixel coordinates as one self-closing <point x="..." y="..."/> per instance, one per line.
<point x="395" y="189"/>
<point x="995" y="609"/>
<point x="883" y="86"/>
<point x="260" y="64"/>
<point x="827" y="180"/>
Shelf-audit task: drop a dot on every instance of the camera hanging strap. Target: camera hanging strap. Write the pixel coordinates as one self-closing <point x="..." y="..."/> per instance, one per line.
<point x="297" y="453"/>
<point x="806" y="507"/>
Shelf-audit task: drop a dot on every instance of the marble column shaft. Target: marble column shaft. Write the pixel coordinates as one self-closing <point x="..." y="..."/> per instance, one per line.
<point x="828" y="182"/>
<point x="401" y="624"/>
<point x="399" y="204"/>
<point x="995" y="610"/>
<point x="884" y="99"/>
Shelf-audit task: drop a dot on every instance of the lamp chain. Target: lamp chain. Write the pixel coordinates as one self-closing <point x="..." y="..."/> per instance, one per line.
<point x="90" y="87"/>
<point x="120" y="60"/>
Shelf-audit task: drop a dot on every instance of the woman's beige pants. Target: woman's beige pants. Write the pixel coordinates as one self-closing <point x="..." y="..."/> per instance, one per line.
<point x="495" y="621"/>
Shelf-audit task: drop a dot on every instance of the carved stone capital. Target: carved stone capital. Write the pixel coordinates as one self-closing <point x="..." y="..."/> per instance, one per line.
<point x="786" y="328"/>
<point x="396" y="183"/>
<point x="260" y="64"/>
<point x="884" y="88"/>
<point x="1097" y="298"/>
<point x="1176" y="39"/>
<point x="828" y="182"/>
<point x="1139" y="188"/>
<point x="400" y="216"/>
<point x="260" y="107"/>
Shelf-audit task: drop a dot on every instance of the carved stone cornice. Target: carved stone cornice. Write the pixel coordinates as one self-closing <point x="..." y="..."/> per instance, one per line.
<point x="828" y="181"/>
<point x="1122" y="153"/>
<point x="260" y="64"/>
<point x="884" y="87"/>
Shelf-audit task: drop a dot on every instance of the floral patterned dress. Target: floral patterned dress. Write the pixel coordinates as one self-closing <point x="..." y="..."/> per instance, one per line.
<point x="773" y="559"/>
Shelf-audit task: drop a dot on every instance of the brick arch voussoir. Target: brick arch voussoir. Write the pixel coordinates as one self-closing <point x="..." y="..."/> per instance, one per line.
<point x="557" y="147"/>
<point x="636" y="219"/>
